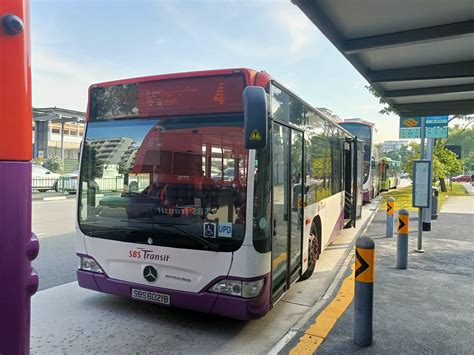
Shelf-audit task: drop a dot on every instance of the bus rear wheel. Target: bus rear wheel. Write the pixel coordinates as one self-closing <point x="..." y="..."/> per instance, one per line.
<point x="313" y="254"/>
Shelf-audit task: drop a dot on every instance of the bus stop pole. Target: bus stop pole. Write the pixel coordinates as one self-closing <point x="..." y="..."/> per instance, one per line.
<point x="419" y="248"/>
<point x="427" y="211"/>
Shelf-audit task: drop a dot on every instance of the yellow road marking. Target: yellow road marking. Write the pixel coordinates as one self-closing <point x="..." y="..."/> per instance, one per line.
<point x="279" y="259"/>
<point x="316" y="333"/>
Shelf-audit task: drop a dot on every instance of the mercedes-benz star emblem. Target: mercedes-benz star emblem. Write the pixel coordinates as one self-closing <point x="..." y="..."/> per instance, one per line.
<point x="150" y="273"/>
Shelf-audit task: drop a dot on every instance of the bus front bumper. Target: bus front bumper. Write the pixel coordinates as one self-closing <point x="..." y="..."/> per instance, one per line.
<point x="207" y="302"/>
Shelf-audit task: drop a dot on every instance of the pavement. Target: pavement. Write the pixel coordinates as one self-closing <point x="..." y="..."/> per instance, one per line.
<point x="426" y="309"/>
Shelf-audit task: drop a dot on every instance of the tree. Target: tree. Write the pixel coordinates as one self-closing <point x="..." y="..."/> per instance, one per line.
<point x="386" y="108"/>
<point x="402" y="155"/>
<point x="55" y="164"/>
<point x="445" y="162"/>
<point x="464" y="137"/>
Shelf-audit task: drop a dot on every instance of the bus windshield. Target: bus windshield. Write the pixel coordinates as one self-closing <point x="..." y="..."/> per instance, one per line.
<point x="178" y="182"/>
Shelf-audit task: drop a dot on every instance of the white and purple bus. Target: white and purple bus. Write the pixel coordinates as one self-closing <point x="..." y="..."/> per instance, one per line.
<point x="364" y="131"/>
<point x="202" y="222"/>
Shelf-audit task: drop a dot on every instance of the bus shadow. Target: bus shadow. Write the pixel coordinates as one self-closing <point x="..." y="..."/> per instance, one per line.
<point x="146" y="313"/>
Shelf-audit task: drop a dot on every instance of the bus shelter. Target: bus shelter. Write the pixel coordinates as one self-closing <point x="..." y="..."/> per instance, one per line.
<point x="42" y="117"/>
<point x="417" y="54"/>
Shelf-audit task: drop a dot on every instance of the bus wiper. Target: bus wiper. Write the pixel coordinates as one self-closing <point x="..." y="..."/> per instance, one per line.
<point x="200" y="240"/>
<point x="111" y="229"/>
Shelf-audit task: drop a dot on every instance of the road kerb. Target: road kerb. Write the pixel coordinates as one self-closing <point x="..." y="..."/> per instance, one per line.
<point x="56" y="198"/>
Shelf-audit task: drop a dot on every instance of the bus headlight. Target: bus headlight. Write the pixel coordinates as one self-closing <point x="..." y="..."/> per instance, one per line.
<point x="89" y="264"/>
<point x="246" y="289"/>
<point x="228" y="287"/>
<point x="251" y="288"/>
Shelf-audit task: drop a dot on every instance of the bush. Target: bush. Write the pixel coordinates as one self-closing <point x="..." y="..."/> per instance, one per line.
<point x="55" y="164"/>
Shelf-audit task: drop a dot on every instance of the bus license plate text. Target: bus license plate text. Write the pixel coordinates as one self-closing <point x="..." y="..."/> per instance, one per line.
<point x="150" y="296"/>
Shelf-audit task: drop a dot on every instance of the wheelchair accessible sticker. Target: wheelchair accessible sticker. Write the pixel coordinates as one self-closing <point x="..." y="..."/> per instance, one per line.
<point x="209" y="230"/>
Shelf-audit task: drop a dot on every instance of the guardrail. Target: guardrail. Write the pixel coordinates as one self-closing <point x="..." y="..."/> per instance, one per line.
<point x="70" y="184"/>
<point x="43" y="184"/>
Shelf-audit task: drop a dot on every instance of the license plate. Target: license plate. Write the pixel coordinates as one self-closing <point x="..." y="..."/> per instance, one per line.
<point x="148" y="296"/>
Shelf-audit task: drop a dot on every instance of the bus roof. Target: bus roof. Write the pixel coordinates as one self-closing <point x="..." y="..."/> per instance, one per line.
<point x="357" y="121"/>
<point x="252" y="77"/>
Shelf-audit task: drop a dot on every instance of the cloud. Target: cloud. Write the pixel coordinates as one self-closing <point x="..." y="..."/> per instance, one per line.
<point x="61" y="80"/>
<point x="302" y="34"/>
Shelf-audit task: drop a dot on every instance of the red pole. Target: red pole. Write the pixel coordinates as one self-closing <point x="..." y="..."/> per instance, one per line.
<point x="18" y="245"/>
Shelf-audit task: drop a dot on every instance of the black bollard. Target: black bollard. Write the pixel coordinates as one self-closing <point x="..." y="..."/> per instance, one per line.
<point x="364" y="291"/>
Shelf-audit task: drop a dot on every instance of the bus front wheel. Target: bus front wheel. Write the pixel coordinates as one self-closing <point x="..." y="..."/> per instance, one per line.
<point x="313" y="254"/>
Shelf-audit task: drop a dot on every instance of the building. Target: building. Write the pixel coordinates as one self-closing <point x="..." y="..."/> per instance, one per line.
<point x="57" y="132"/>
<point x="329" y="114"/>
<point x="390" y="146"/>
<point x="114" y="151"/>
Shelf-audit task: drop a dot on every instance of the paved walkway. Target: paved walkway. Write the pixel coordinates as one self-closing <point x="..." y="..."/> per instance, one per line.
<point x="426" y="309"/>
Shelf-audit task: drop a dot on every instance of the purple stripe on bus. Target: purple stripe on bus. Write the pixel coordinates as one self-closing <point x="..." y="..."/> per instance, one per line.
<point x="207" y="302"/>
<point x="18" y="246"/>
<point x="366" y="196"/>
<point x="245" y="309"/>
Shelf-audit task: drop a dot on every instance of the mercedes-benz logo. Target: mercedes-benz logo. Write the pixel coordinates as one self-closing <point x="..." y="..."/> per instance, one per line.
<point x="150" y="273"/>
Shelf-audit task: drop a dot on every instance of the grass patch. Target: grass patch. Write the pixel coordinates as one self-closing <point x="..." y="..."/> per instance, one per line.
<point x="403" y="196"/>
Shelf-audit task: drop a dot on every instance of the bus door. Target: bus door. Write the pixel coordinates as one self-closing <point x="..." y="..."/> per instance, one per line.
<point x="287" y="203"/>
<point x="359" y="175"/>
<point x="349" y="186"/>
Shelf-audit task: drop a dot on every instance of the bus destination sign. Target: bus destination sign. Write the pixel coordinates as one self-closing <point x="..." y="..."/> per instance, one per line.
<point x="170" y="97"/>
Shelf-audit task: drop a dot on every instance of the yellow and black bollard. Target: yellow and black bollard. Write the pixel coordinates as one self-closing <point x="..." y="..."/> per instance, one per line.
<point x="390" y="212"/>
<point x="402" y="239"/>
<point x="364" y="291"/>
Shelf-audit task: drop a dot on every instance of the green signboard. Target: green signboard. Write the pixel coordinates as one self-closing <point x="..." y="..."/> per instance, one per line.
<point x="436" y="132"/>
<point x="410" y="133"/>
<point x="435" y="127"/>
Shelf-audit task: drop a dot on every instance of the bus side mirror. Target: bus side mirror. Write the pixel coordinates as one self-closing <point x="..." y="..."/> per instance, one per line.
<point x="255" y="117"/>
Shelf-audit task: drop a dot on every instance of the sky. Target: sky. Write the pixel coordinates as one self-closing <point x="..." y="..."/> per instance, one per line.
<point x="76" y="43"/>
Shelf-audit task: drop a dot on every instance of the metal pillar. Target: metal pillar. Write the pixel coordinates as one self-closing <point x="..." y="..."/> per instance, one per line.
<point x="41" y="139"/>
<point x="419" y="248"/>
<point x="427" y="211"/>
<point x="62" y="140"/>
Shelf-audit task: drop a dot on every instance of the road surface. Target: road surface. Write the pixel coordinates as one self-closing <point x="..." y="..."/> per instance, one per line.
<point x="68" y="319"/>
